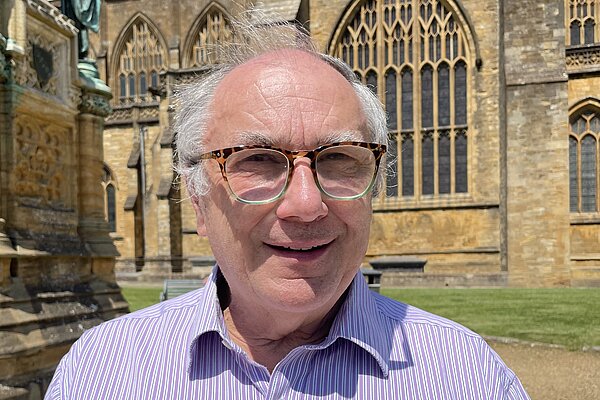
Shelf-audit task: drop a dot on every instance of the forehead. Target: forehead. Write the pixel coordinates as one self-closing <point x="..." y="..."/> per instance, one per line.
<point x="288" y="98"/>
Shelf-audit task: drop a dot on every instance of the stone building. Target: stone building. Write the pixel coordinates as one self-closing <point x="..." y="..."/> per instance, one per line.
<point x="56" y="256"/>
<point x="494" y="122"/>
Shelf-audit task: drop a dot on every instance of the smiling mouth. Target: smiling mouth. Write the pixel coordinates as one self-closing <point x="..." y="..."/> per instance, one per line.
<point x="294" y="249"/>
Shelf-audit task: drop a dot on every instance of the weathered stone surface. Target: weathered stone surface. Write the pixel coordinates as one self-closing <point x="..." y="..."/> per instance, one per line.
<point x="515" y="219"/>
<point x="56" y="256"/>
<point x="538" y="216"/>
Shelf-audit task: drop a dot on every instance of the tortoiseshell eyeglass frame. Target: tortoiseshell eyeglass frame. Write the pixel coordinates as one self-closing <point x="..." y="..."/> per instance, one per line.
<point x="221" y="156"/>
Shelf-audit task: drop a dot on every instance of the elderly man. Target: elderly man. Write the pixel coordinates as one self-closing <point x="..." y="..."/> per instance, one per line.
<point x="281" y="148"/>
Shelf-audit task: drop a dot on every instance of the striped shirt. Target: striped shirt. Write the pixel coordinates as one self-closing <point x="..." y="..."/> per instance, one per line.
<point x="377" y="348"/>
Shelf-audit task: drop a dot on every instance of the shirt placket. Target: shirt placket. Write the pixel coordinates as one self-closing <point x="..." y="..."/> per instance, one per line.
<point x="288" y="373"/>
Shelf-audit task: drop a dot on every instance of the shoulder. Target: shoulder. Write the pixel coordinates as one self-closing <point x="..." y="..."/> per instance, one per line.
<point x="427" y="339"/>
<point x="157" y="318"/>
<point x="430" y="335"/>
<point x="407" y="315"/>
<point x="128" y="346"/>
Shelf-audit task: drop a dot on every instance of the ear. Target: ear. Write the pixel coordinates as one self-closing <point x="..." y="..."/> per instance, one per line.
<point x="200" y="221"/>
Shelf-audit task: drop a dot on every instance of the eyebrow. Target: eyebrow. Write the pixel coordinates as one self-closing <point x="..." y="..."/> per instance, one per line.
<point x="344" y="136"/>
<point x="247" y="138"/>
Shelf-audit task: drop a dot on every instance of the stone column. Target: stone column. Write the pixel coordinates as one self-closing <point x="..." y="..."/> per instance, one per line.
<point x="56" y="256"/>
<point x="164" y="208"/>
<point x="7" y="251"/>
<point x="93" y="227"/>
<point x="536" y="153"/>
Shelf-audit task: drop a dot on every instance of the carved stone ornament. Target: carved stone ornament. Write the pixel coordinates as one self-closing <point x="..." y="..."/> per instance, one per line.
<point x="38" y="69"/>
<point x="147" y="113"/>
<point x="583" y="59"/>
<point x="6" y="246"/>
<point x="120" y="114"/>
<point x="4" y="69"/>
<point x="187" y="78"/>
<point x="42" y="63"/>
<point x="47" y="10"/>
<point x="75" y="96"/>
<point x="5" y="63"/>
<point x="92" y="103"/>
<point x="40" y="163"/>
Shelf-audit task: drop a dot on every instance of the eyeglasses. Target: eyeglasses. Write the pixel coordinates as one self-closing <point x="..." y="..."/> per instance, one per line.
<point x="259" y="174"/>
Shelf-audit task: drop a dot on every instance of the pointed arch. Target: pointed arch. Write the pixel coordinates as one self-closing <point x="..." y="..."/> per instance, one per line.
<point x="139" y="57"/>
<point x="587" y="102"/>
<point x="110" y="186"/>
<point x="457" y="8"/>
<point x="108" y="175"/>
<point x="433" y="44"/>
<point x="211" y="27"/>
<point x="581" y="20"/>
<point x="584" y="156"/>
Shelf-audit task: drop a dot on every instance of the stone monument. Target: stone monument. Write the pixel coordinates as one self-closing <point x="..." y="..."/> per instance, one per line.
<point x="56" y="256"/>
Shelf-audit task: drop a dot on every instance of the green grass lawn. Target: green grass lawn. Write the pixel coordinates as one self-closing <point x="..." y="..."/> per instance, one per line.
<point x="140" y="297"/>
<point x="568" y="317"/>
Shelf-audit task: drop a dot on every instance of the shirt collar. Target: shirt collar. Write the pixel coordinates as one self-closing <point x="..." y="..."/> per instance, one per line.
<point x="359" y="321"/>
<point x="209" y="317"/>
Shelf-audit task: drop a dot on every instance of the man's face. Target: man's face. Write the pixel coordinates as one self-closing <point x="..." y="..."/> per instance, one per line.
<point x="299" y="253"/>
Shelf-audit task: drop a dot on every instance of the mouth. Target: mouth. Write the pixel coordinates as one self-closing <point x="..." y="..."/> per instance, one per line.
<point x="299" y="250"/>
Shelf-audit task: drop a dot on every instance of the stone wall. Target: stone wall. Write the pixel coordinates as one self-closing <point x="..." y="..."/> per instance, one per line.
<point x="56" y="257"/>
<point x="512" y="227"/>
<point x="584" y="90"/>
<point x="537" y="192"/>
<point x="169" y="237"/>
<point x="460" y="235"/>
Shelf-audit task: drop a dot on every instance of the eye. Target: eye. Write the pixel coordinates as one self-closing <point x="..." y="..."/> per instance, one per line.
<point x="259" y="157"/>
<point x="256" y="161"/>
<point x="335" y="156"/>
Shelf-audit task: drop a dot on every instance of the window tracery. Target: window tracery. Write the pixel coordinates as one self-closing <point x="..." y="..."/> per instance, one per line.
<point x="141" y="60"/>
<point x="584" y="166"/>
<point x="413" y="54"/>
<point x="212" y="29"/>
<point x="581" y="21"/>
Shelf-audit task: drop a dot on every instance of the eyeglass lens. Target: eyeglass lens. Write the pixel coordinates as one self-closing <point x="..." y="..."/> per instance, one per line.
<point x="260" y="175"/>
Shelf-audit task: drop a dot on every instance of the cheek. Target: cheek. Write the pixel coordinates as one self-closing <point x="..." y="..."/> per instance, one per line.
<point x="231" y="223"/>
<point x="356" y="214"/>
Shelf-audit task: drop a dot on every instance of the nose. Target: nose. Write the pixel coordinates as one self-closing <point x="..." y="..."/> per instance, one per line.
<point x="302" y="200"/>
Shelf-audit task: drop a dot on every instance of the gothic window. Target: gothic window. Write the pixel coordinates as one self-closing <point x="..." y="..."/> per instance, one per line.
<point x="111" y="211"/>
<point x="212" y="28"/>
<point x="141" y="59"/>
<point x="110" y="199"/>
<point x="582" y="27"/>
<point x="414" y="54"/>
<point x="122" y="86"/>
<point x="584" y="165"/>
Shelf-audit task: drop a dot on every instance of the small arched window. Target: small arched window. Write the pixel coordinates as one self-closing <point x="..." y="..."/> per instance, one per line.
<point x="110" y="199"/>
<point x="111" y="207"/>
<point x="584" y="165"/>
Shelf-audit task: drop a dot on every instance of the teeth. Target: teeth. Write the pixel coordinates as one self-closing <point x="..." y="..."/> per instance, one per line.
<point x="307" y="248"/>
<point x="301" y="248"/>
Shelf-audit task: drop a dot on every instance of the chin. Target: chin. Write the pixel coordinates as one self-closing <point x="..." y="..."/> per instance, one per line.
<point x="303" y="297"/>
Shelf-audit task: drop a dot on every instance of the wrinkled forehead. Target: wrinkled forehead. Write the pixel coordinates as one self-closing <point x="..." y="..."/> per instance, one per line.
<point x="299" y="63"/>
<point x="285" y="96"/>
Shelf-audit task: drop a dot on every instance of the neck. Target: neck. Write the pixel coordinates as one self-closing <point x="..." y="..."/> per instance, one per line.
<point x="268" y="336"/>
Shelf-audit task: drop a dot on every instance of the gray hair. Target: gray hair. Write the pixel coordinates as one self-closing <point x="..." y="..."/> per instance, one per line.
<point x="193" y="101"/>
